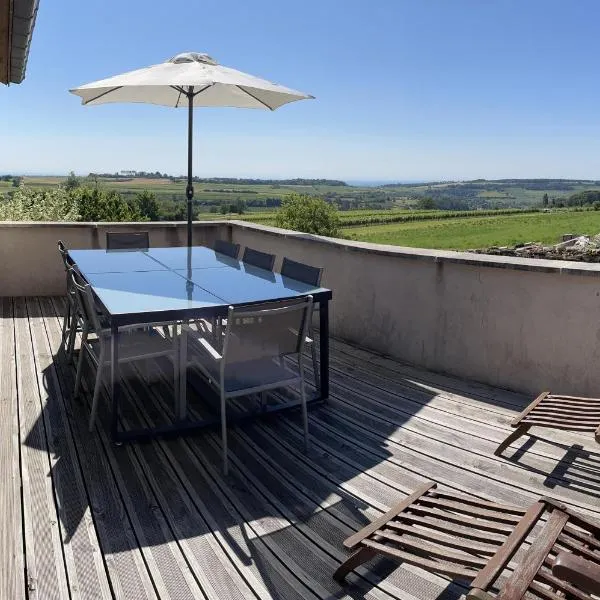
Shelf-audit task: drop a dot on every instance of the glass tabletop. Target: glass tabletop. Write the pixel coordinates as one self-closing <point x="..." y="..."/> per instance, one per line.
<point x="114" y="261"/>
<point x="149" y="292"/>
<point x="186" y="283"/>
<point x="197" y="257"/>
<point x="247" y="284"/>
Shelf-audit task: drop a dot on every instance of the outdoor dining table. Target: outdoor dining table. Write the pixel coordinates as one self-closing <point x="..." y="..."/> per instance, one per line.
<point x="169" y="285"/>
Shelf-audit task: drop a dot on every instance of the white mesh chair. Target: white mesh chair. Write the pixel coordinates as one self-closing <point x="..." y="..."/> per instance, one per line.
<point x="255" y="341"/>
<point x="136" y="344"/>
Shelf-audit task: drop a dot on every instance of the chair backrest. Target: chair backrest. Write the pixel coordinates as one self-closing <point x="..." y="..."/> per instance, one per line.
<point x="85" y="299"/>
<point x="266" y="330"/>
<point x="227" y="248"/>
<point x="301" y="272"/>
<point x="259" y="259"/>
<point x="64" y="254"/>
<point x="127" y="240"/>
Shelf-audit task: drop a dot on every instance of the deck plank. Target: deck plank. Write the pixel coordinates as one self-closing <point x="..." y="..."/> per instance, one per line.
<point x="46" y="569"/>
<point x="128" y="574"/>
<point x="87" y="574"/>
<point x="12" y="579"/>
<point x="159" y="520"/>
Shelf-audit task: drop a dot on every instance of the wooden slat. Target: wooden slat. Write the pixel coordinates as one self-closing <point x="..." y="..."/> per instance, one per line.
<point x="472" y="500"/>
<point x="481" y="513"/>
<point x="431" y="550"/>
<point x="413" y="559"/>
<point x="490" y="572"/>
<point x="581" y="398"/>
<point x="353" y="541"/>
<point x="583" y="536"/>
<point x="552" y="415"/>
<point x="453" y="541"/>
<point x="12" y="573"/>
<point x="452" y="517"/>
<point x="516" y="585"/>
<point x="579" y="548"/>
<point x="558" y="584"/>
<point x="465" y="531"/>
<point x="523" y="414"/>
<point x="541" y="422"/>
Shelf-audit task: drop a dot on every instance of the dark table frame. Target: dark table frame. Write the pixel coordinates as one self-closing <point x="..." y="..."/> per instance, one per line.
<point x="117" y="321"/>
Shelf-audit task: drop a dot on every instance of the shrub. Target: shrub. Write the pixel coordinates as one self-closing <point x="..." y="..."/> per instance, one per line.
<point x="96" y="204"/>
<point x="308" y="214"/>
<point x="27" y="204"/>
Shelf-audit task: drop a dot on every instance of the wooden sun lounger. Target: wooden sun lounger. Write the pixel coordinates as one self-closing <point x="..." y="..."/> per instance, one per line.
<point x="475" y="540"/>
<point x="572" y="413"/>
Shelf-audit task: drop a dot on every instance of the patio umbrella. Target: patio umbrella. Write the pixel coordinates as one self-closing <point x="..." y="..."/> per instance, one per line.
<point x="185" y="81"/>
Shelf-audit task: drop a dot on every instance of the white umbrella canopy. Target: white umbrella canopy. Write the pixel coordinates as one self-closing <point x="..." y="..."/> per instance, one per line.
<point x="189" y="80"/>
<point x="167" y="83"/>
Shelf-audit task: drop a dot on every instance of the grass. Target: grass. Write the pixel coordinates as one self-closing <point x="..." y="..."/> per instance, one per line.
<point x="480" y="232"/>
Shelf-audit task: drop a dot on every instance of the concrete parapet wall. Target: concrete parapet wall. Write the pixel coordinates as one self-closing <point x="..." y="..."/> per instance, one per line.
<point x="523" y="324"/>
<point x="30" y="263"/>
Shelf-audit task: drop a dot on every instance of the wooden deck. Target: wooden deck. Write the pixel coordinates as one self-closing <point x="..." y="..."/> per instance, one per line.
<point x="82" y="518"/>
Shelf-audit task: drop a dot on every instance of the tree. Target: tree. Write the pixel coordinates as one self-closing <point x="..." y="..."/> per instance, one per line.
<point x="309" y="214"/>
<point x="17" y="181"/>
<point x="426" y="204"/>
<point x="545" y="200"/>
<point x="240" y="206"/>
<point x="72" y="182"/>
<point x="96" y="204"/>
<point x="148" y="205"/>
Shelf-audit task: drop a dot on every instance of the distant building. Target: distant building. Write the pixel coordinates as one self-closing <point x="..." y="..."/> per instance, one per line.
<point x="128" y="173"/>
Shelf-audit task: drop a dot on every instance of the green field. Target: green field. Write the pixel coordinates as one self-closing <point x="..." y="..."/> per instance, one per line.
<point x="387" y="214"/>
<point x="480" y="232"/>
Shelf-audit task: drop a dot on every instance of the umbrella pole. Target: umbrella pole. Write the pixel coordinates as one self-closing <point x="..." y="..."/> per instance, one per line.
<point x="189" y="190"/>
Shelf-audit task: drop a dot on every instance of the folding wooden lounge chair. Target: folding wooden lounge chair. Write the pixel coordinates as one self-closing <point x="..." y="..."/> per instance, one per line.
<point x="475" y="540"/>
<point x="572" y="413"/>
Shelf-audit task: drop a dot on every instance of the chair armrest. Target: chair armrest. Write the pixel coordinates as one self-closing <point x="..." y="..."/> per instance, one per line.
<point x="578" y="571"/>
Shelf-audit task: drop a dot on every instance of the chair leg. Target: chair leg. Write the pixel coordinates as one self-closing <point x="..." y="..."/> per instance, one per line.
<point x="517" y="433"/>
<point x="72" y="336"/>
<point x="315" y="362"/>
<point x="66" y="329"/>
<point x="182" y="374"/>
<point x="362" y="555"/>
<point x="304" y="409"/>
<point x="176" y="365"/>
<point x="224" y="433"/>
<point x="97" y="387"/>
<point x="80" y="361"/>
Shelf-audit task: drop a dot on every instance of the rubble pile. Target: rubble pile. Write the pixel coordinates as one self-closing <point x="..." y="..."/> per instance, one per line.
<point x="575" y="247"/>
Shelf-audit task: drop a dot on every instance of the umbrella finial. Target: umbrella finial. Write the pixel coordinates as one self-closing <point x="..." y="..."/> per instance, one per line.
<point x="189" y="57"/>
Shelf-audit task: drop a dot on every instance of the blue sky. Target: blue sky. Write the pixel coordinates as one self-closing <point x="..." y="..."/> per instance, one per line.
<point x="405" y="89"/>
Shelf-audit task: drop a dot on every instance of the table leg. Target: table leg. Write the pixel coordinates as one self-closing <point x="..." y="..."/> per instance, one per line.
<point x="115" y="383"/>
<point x="182" y="399"/>
<point x="324" y="348"/>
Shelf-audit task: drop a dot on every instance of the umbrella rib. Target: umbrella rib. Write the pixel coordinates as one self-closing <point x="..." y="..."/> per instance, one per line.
<point x="103" y="94"/>
<point x="239" y="87"/>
